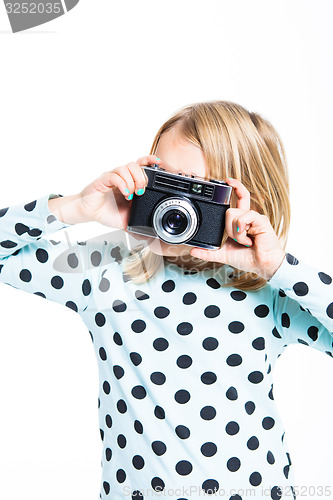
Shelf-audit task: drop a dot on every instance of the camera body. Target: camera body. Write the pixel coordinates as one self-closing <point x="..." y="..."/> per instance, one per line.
<point x="181" y="209"/>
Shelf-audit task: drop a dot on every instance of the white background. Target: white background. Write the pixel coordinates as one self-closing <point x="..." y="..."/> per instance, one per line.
<point x="86" y="93"/>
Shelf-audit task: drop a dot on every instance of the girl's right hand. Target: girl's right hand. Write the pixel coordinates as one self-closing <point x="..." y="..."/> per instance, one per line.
<point x="105" y="200"/>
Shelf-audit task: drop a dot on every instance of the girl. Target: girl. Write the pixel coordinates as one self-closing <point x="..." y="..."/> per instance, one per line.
<point x="186" y="338"/>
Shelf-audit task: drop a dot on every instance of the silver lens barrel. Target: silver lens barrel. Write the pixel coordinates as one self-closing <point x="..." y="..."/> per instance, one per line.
<point x="183" y="209"/>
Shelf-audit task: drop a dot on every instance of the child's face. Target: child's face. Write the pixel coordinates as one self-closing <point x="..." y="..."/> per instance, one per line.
<point x="177" y="155"/>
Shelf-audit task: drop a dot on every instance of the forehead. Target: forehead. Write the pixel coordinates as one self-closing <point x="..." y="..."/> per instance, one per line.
<point x="180" y="155"/>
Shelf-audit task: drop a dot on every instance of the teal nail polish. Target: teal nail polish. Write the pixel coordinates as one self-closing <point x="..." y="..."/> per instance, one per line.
<point x="234" y="239"/>
<point x="231" y="178"/>
<point x="126" y="191"/>
<point x="247" y="245"/>
<point x="140" y="191"/>
<point x="158" y="158"/>
<point x="237" y="229"/>
<point x="130" y="197"/>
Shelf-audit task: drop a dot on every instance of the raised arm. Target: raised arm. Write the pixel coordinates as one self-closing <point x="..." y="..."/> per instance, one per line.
<point x="303" y="304"/>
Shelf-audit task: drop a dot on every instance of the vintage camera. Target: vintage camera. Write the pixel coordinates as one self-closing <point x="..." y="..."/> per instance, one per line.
<point x="181" y="209"/>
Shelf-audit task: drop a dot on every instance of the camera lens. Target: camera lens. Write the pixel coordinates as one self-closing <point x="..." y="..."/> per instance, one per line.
<point x="174" y="222"/>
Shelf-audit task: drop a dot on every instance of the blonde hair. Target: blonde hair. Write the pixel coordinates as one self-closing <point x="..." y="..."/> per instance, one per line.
<point x="236" y="143"/>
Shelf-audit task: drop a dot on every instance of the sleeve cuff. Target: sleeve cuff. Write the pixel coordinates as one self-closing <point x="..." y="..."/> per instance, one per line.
<point x="290" y="272"/>
<point x="50" y="221"/>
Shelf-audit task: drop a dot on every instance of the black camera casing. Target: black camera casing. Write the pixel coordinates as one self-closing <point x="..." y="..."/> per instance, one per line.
<point x="196" y="202"/>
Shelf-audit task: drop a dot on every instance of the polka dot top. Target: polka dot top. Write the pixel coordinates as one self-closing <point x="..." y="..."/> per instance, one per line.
<point x="186" y="401"/>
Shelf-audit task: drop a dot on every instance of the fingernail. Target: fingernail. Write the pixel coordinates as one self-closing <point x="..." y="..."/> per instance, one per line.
<point x="141" y="191"/>
<point x="130" y="197"/>
<point x="126" y="191"/>
<point x="158" y="158"/>
<point x="247" y="245"/>
<point x="237" y="229"/>
<point x="231" y="178"/>
<point x="234" y="239"/>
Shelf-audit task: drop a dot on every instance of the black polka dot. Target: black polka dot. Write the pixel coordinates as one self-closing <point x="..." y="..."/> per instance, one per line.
<point x="213" y="283"/>
<point x="261" y="311"/>
<point x="234" y="360"/>
<point x="102" y="353"/>
<point x="255" y="377"/>
<point x="285" y="320"/>
<point x="189" y="298"/>
<point x="42" y="255"/>
<point x="122" y="441"/>
<point x="120" y="475"/>
<point x="232" y="393"/>
<point x="121" y="406"/>
<point x="208" y="378"/>
<point x="161" y="312"/>
<point x="252" y="443"/>
<point x="100" y="319"/>
<point x="157" y="484"/>
<point x="182" y="396"/>
<point x="207" y="412"/>
<point x="301" y="289"/>
<point x="233" y="464"/>
<point x="86" y="287"/>
<point x="184" y="328"/>
<point x="313" y="332"/>
<point x="138" y="462"/>
<point x="160" y="344"/>
<point x="291" y="259"/>
<point x="138" y="325"/>
<point x="250" y="407"/>
<point x="270" y="457"/>
<point x="276" y="493"/>
<point x="95" y="258"/>
<point x="238" y="295"/>
<point x="139" y="392"/>
<point x="255" y="479"/>
<point x="212" y="311"/>
<point x="259" y="343"/>
<point x="268" y="422"/>
<point x="72" y="260"/>
<point x="329" y="310"/>
<point x="159" y="448"/>
<point x="236" y="327"/>
<point x="184" y="361"/>
<point x="182" y="431"/>
<point x="210" y="343"/>
<point x="168" y="286"/>
<point x="57" y="282"/>
<point x="119" y="306"/>
<point x="210" y="486"/>
<point x="158" y="378"/>
<point x="325" y="278"/>
<point x="184" y="467"/>
<point x="25" y="275"/>
<point x="106" y="487"/>
<point x="208" y="449"/>
<point x="232" y="428"/>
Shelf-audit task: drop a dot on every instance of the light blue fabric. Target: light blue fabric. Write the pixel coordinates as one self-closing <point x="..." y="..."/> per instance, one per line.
<point x="185" y="366"/>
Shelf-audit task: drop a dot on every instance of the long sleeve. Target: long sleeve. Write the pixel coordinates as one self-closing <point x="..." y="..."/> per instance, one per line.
<point x="303" y="304"/>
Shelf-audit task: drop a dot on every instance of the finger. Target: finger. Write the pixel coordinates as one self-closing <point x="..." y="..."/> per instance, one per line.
<point x="243" y="195"/>
<point x="120" y="178"/>
<point x="139" y="177"/>
<point x="250" y="223"/>
<point x="149" y="160"/>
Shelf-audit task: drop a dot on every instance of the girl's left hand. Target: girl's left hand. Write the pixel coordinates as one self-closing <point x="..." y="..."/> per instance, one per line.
<point x="254" y="247"/>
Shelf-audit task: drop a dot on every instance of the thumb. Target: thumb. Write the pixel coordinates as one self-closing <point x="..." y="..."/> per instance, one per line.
<point x="206" y="254"/>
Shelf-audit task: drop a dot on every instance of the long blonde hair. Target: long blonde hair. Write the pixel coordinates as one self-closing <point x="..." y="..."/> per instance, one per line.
<point x="236" y="143"/>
